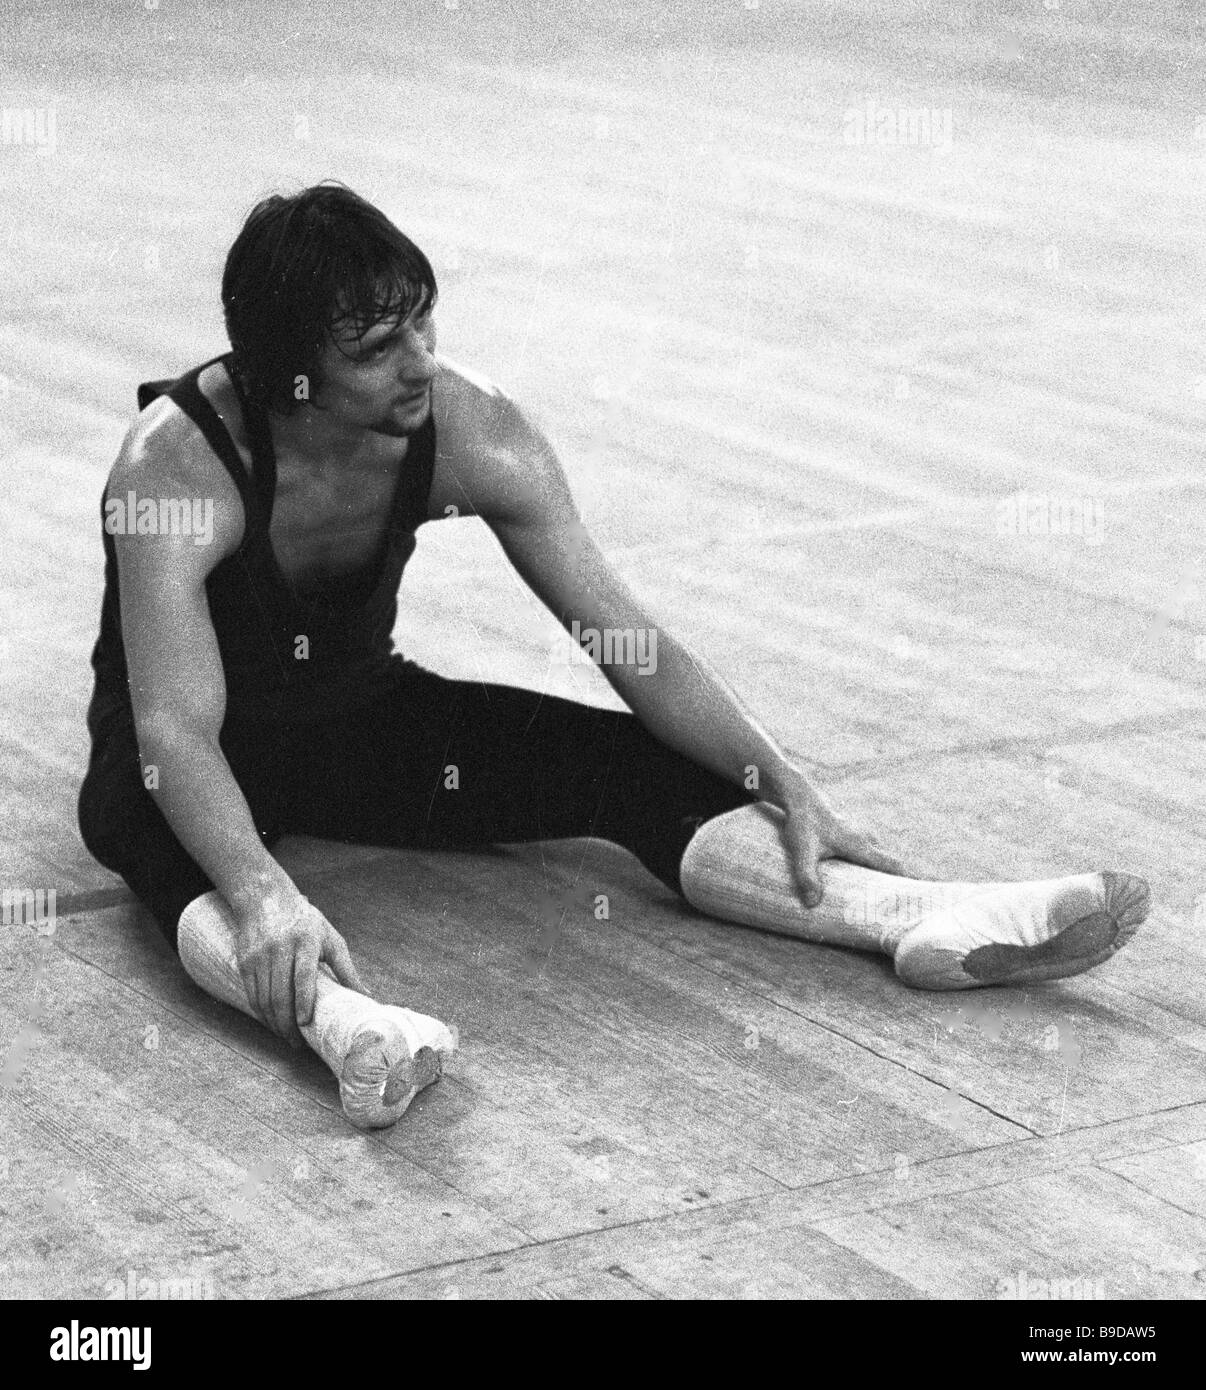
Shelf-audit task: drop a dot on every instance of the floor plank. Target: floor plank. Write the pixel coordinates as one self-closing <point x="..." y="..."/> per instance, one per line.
<point x="138" y="1141"/>
<point x="795" y="381"/>
<point x="671" y="1254"/>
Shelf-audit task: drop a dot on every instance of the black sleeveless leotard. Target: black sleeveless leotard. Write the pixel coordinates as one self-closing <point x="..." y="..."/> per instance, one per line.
<point x="258" y="614"/>
<point x="354" y="742"/>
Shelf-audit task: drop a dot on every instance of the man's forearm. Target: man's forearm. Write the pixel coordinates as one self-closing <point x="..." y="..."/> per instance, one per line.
<point x="205" y="807"/>
<point x="686" y="704"/>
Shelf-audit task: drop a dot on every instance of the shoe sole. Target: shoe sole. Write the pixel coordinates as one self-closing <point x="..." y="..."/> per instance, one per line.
<point x="378" y="1109"/>
<point x="1077" y="945"/>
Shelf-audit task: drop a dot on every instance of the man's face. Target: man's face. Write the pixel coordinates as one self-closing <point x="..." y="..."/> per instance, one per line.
<point x="381" y="380"/>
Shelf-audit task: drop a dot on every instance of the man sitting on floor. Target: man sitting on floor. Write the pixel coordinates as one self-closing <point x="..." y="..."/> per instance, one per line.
<point x="247" y="687"/>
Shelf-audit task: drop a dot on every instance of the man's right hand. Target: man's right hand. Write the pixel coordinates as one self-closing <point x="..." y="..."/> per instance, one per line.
<point x="279" y="944"/>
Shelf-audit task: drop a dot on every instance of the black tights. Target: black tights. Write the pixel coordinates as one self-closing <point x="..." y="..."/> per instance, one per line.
<point x="376" y="771"/>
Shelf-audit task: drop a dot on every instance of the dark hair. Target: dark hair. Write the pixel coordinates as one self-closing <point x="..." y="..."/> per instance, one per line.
<point x="302" y="265"/>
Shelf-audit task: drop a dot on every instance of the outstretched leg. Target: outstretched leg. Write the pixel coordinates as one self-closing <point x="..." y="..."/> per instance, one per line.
<point x="940" y="935"/>
<point x="382" y="1055"/>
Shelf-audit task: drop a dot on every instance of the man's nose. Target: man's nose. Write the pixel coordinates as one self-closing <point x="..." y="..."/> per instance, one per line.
<point x="418" y="361"/>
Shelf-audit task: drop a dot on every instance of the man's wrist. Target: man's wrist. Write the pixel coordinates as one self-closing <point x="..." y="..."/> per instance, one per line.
<point x="776" y="775"/>
<point x="263" y="893"/>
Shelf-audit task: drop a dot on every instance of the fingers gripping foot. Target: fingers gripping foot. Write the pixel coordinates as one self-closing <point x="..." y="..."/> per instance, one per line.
<point x="382" y="1055"/>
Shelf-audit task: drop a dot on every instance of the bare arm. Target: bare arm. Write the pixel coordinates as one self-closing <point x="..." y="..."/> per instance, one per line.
<point x="525" y="498"/>
<point x="177" y="686"/>
<point x="520" y="490"/>
<point x="178" y="693"/>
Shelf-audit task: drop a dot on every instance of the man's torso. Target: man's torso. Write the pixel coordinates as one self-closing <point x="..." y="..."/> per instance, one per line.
<point x="330" y="522"/>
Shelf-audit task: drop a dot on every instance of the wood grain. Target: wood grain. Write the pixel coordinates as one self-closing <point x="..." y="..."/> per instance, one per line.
<point x="794" y="381"/>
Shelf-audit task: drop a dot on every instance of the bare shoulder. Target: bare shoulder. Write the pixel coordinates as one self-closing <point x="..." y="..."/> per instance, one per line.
<point x="167" y="462"/>
<point x="492" y="456"/>
<point x="465" y="384"/>
<point x="472" y="412"/>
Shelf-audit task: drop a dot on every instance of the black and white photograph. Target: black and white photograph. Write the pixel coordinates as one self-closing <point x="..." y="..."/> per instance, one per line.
<point x="604" y="651"/>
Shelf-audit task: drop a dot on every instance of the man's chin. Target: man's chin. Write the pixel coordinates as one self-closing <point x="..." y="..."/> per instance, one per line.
<point x="402" y="422"/>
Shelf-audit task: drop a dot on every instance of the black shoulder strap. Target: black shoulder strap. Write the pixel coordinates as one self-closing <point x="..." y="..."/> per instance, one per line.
<point x="185" y="391"/>
<point x="259" y="435"/>
<point x="151" y="390"/>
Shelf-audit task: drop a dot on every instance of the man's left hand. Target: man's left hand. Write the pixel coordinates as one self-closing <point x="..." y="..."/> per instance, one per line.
<point x="814" y="831"/>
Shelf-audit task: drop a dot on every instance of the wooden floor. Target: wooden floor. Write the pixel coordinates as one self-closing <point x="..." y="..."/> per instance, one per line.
<point x="794" y="380"/>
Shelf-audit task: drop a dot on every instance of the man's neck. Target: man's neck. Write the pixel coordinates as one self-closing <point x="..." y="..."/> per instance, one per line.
<point x="313" y="437"/>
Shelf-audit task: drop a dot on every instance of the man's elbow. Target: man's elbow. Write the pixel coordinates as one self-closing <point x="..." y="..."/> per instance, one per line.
<point x="172" y="737"/>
